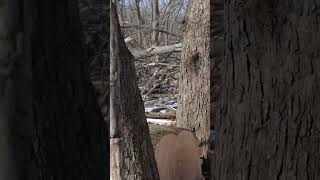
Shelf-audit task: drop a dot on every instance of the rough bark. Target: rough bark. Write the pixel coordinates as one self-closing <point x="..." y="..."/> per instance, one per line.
<point x="270" y="101"/>
<point x="194" y="100"/>
<point x="70" y="134"/>
<point x="216" y="57"/>
<point x="139" y="157"/>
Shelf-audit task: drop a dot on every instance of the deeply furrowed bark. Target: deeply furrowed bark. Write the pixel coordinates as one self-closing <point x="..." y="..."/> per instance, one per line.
<point x="270" y="101"/>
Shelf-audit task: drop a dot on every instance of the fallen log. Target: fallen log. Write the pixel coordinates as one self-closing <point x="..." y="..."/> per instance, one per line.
<point x="139" y="53"/>
<point x="159" y="115"/>
<point x="177" y="153"/>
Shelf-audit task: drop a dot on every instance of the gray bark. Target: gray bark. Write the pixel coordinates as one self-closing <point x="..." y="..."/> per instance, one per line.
<point x="194" y="87"/>
<point x="139" y="18"/>
<point x="270" y="101"/>
<point x="155" y="21"/>
<point x="139" y="160"/>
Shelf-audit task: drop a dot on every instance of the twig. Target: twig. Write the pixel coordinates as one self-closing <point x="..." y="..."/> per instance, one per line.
<point x="144" y="98"/>
<point x="154" y="75"/>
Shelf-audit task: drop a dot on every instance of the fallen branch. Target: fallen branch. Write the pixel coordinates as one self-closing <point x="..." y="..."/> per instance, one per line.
<point x="158" y="50"/>
<point x="149" y="28"/>
<point x="139" y="53"/>
<point x="158" y="115"/>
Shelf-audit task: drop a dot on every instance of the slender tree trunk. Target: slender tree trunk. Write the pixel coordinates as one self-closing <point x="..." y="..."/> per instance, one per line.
<point x="119" y="8"/>
<point x="194" y="101"/>
<point x="139" y="18"/>
<point x="139" y="160"/>
<point x="155" y="21"/>
<point x="70" y="134"/>
<point x="270" y="101"/>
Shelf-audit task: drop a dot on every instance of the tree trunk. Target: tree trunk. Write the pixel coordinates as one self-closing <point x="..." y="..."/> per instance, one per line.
<point x="216" y="58"/>
<point x="138" y="154"/>
<point x="139" y="19"/>
<point x="70" y="134"/>
<point x="117" y="165"/>
<point x="8" y="169"/>
<point x="16" y="123"/>
<point x="95" y="26"/>
<point x="270" y="101"/>
<point x="194" y="101"/>
<point x="155" y="21"/>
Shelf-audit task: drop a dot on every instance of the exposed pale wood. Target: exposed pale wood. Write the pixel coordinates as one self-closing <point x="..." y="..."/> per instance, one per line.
<point x="116" y="122"/>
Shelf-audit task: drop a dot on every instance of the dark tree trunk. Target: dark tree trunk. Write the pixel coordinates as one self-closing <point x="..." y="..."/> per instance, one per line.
<point x="95" y="26"/>
<point x="138" y="153"/>
<point x="216" y="58"/>
<point x="7" y="102"/>
<point x="49" y="119"/>
<point x="194" y="100"/>
<point x="16" y="125"/>
<point x="70" y="135"/>
<point x="270" y="102"/>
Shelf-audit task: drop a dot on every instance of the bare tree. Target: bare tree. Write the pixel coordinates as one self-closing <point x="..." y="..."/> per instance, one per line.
<point x="139" y="19"/>
<point x="155" y="21"/>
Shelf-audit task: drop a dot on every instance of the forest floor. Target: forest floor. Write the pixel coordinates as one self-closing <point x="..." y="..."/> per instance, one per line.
<point x="158" y="82"/>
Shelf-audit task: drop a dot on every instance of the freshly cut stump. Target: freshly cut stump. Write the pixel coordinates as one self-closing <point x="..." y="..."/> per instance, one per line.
<point x="177" y="153"/>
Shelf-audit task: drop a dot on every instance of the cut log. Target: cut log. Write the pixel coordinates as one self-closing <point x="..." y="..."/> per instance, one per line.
<point x="159" y="115"/>
<point x="177" y="153"/>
